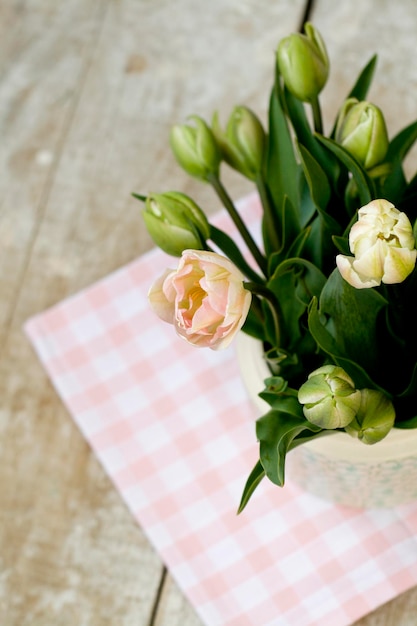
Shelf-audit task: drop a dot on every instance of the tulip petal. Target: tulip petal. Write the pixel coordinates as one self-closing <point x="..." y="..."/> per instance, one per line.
<point x="162" y="297"/>
<point x="399" y="263"/>
<point x="346" y="269"/>
<point x="370" y="264"/>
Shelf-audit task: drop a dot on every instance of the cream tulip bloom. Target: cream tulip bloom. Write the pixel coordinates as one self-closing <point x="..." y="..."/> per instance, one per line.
<point x="204" y="298"/>
<point x="383" y="246"/>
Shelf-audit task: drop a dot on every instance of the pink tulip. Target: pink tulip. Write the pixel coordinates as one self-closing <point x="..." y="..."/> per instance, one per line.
<point x="204" y="298"/>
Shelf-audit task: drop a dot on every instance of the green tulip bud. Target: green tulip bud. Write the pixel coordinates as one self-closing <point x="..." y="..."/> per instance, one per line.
<point x="175" y="222"/>
<point x="303" y="63"/>
<point x="243" y="142"/>
<point x="374" y="419"/>
<point x="361" y="130"/>
<point x="329" y="397"/>
<point x="195" y="149"/>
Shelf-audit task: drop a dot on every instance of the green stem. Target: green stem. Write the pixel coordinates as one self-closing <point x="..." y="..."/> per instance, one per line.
<point x="317" y="119"/>
<point x="239" y="223"/>
<point x="228" y="246"/>
<point x="257" y="308"/>
<point x="269" y="296"/>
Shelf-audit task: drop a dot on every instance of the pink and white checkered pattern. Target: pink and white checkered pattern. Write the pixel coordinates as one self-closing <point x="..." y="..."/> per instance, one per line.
<point x="174" y="429"/>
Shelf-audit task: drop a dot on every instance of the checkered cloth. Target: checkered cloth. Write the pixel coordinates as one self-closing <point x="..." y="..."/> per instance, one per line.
<point x="174" y="429"/>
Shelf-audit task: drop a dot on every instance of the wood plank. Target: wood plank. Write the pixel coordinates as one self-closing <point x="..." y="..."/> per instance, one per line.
<point x="70" y="551"/>
<point x="42" y="60"/>
<point x="174" y="609"/>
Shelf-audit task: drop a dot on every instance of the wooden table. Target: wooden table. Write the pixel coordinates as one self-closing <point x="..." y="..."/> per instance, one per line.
<point x="88" y="92"/>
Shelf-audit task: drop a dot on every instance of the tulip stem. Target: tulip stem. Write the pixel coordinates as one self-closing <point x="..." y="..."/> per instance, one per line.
<point x="317" y="119"/>
<point x="274" y="306"/>
<point x="239" y="223"/>
<point x="228" y="246"/>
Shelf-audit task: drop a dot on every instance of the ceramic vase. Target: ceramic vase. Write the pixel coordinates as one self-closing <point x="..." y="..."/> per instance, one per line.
<point x="338" y="467"/>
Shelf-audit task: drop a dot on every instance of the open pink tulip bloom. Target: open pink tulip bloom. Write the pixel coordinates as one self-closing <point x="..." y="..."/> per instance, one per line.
<point x="204" y="298"/>
<point x="383" y="246"/>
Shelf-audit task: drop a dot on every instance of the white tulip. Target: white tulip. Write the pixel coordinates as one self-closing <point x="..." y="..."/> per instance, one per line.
<point x="383" y="246"/>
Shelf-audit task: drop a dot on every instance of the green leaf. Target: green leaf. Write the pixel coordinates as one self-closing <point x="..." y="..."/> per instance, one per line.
<point x="342" y="244"/>
<point x="319" y="245"/>
<point x="310" y="279"/>
<point x="253" y="326"/>
<point x="401" y="144"/>
<point x="279" y="396"/>
<point x="307" y="138"/>
<point x="316" y="178"/>
<point x="394" y="185"/>
<point x="290" y="230"/>
<point x="364" y="80"/>
<point x="307" y="207"/>
<point x="361" y="87"/>
<point x="269" y="328"/>
<point x="305" y="436"/>
<point x="410" y="423"/>
<point x="276" y="431"/>
<point x="296" y="281"/>
<point x="327" y="343"/>
<point x="255" y="477"/>
<point x="299" y="243"/>
<point x="139" y="197"/>
<point x="282" y="169"/>
<point x="294" y="251"/>
<point x="408" y="202"/>
<point x="411" y="389"/>
<point x="366" y="188"/>
<point x="352" y="317"/>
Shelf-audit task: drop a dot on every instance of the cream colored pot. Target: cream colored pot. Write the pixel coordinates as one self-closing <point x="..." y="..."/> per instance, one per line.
<point x="336" y="466"/>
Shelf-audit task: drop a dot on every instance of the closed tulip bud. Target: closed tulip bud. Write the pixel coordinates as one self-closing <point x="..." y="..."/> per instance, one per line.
<point x="175" y="222"/>
<point x="383" y="245"/>
<point x="329" y="397"/>
<point x="243" y="142"/>
<point x="195" y="149"/>
<point x="361" y="130"/>
<point x="374" y="419"/>
<point x="303" y="63"/>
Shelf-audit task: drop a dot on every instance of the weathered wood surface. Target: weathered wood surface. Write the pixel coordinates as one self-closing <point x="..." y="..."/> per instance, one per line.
<point x="88" y="92"/>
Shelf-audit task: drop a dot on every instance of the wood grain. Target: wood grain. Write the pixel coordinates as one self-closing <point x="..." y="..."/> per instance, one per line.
<point x="88" y="92"/>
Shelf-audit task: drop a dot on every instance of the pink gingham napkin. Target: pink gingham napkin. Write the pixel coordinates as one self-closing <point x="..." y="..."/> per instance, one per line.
<point x="174" y="429"/>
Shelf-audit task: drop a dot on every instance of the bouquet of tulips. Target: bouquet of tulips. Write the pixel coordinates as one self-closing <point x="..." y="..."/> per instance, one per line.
<point x="331" y="293"/>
